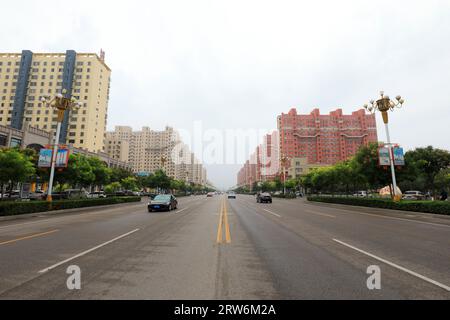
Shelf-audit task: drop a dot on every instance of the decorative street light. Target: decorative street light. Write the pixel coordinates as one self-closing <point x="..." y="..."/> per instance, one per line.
<point x="284" y="160"/>
<point x="384" y="104"/>
<point x="61" y="102"/>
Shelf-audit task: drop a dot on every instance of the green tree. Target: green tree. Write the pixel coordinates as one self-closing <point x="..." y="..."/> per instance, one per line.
<point x="14" y="167"/>
<point x="100" y="170"/>
<point x="113" y="187"/>
<point x="78" y="172"/>
<point x="427" y="162"/>
<point x="160" y="180"/>
<point x="129" y="183"/>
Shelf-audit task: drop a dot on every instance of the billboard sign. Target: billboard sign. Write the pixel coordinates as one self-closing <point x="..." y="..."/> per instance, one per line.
<point x="45" y="158"/>
<point x="399" y="157"/>
<point x="383" y="156"/>
<point x="62" y="158"/>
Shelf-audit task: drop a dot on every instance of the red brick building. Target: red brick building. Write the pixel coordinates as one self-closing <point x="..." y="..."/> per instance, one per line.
<point x="263" y="164"/>
<point x="325" y="139"/>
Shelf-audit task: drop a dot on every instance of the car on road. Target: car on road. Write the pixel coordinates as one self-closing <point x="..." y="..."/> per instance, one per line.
<point x="231" y="195"/>
<point x="263" y="197"/>
<point x="413" y="195"/>
<point x="210" y="194"/>
<point x="163" y="202"/>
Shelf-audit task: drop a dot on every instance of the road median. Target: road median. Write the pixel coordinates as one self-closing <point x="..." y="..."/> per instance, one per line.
<point x="435" y="207"/>
<point x="20" y="208"/>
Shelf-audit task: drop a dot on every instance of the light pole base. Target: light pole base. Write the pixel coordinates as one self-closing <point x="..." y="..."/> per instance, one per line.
<point x="397" y="198"/>
<point x="49" y="198"/>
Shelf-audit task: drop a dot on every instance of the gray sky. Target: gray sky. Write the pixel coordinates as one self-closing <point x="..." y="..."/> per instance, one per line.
<point x="238" y="64"/>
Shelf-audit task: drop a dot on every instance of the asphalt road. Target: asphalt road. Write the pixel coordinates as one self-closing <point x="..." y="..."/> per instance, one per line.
<point x="218" y="248"/>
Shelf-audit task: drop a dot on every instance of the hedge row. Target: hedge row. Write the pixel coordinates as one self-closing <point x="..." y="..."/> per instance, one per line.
<point x="18" y="207"/>
<point x="285" y="196"/>
<point x="437" y="207"/>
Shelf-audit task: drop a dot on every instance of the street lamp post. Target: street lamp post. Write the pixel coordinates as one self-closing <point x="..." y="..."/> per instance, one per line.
<point x="61" y="103"/>
<point x="384" y="104"/>
<point x="284" y="160"/>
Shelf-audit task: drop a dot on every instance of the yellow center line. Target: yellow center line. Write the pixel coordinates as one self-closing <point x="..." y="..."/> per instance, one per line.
<point x="223" y="223"/>
<point x="219" y="229"/>
<point x="227" y="226"/>
<point x="29" y="237"/>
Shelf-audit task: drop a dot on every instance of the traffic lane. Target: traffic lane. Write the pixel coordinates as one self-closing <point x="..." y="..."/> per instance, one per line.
<point x="37" y="223"/>
<point x="415" y="244"/>
<point x="22" y="259"/>
<point x="300" y="268"/>
<point x="241" y="273"/>
<point x="176" y="259"/>
<point x="406" y="245"/>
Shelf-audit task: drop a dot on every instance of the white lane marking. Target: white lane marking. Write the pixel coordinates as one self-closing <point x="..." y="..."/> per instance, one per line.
<point x="320" y="213"/>
<point x="273" y="213"/>
<point x="87" y="251"/>
<point x="178" y="211"/>
<point x="436" y="283"/>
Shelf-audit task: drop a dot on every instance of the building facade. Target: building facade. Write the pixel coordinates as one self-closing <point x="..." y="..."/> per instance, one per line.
<point x="26" y="77"/>
<point x="150" y="150"/>
<point x="325" y="139"/>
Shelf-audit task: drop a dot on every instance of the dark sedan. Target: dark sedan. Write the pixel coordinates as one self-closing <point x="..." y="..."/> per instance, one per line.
<point x="163" y="202"/>
<point x="263" y="197"/>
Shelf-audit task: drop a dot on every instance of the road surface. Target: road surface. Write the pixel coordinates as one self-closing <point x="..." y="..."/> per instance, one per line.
<point x="218" y="248"/>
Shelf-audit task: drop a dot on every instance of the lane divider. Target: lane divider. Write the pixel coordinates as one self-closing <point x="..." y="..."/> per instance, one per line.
<point x="29" y="237"/>
<point x="87" y="251"/>
<point x="223" y="223"/>
<point x="415" y="274"/>
<point x="272" y="213"/>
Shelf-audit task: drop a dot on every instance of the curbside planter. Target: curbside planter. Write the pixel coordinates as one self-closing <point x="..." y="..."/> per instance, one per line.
<point x="17" y="208"/>
<point x="436" y="207"/>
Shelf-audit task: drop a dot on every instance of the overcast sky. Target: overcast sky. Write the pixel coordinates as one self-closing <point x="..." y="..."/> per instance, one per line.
<point x="238" y="64"/>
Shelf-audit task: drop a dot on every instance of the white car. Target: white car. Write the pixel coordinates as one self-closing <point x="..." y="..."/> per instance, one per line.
<point x="360" y="194"/>
<point x="413" y="195"/>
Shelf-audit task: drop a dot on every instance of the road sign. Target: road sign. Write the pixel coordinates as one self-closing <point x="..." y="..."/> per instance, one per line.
<point x="62" y="158"/>
<point x="383" y="156"/>
<point x="45" y="158"/>
<point x="399" y="158"/>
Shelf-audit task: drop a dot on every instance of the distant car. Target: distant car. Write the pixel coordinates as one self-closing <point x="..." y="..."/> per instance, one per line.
<point x="299" y="195"/>
<point x="413" y="195"/>
<point x="360" y="194"/>
<point x="231" y="195"/>
<point x="74" y="194"/>
<point x="97" y="194"/>
<point x="210" y="194"/>
<point x="163" y="202"/>
<point x="37" y="195"/>
<point x="263" y="197"/>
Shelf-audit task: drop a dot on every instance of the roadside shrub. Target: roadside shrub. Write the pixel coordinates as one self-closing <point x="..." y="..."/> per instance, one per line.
<point x="285" y="196"/>
<point x="437" y="207"/>
<point x="20" y="207"/>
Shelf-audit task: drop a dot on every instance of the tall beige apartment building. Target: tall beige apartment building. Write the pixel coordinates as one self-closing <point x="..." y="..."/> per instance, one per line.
<point x="148" y="150"/>
<point x="26" y="77"/>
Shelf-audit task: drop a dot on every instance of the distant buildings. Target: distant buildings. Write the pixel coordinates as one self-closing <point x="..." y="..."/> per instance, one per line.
<point x="26" y="77"/>
<point x="309" y="141"/>
<point x="149" y="150"/>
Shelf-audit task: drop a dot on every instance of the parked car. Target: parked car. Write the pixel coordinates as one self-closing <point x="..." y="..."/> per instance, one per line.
<point x="166" y="202"/>
<point x="231" y="195"/>
<point x="97" y="194"/>
<point x="13" y="195"/>
<point x="413" y="195"/>
<point x="37" y="195"/>
<point x="360" y="194"/>
<point x="263" y="197"/>
<point x="299" y="194"/>
<point x="209" y="194"/>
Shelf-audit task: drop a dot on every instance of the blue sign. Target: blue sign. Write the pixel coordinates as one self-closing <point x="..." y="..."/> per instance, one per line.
<point x="45" y="158"/>
<point x="399" y="158"/>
